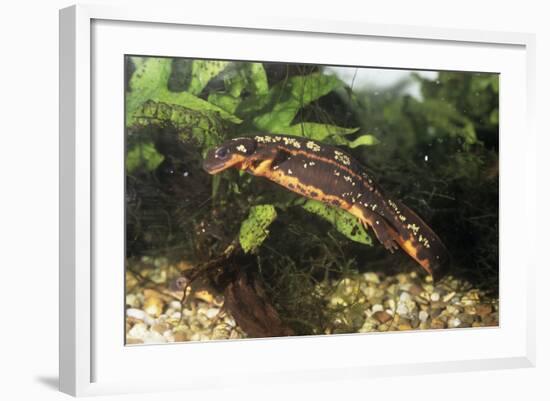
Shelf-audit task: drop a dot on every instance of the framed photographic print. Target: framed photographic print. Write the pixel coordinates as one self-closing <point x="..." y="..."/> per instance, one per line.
<point x="261" y="190"/>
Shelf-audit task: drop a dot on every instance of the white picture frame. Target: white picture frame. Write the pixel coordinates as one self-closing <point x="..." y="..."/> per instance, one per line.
<point x="91" y="37"/>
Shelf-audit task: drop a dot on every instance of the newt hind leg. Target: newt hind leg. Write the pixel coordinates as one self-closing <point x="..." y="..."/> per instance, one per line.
<point x="384" y="233"/>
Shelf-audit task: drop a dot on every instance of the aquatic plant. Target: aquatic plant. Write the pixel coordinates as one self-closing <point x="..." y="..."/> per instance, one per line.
<point x="439" y="153"/>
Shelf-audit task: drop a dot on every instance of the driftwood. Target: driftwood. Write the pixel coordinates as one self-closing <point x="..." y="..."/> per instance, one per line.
<point x="244" y="296"/>
<point x="246" y="301"/>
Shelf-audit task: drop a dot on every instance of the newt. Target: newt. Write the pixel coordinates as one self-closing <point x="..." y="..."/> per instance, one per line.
<point x="328" y="174"/>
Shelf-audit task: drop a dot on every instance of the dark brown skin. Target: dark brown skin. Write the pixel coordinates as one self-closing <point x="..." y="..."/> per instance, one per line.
<point x="330" y="175"/>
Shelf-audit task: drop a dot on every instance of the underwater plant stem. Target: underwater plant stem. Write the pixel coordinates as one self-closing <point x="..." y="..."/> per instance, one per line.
<point x="200" y="270"/>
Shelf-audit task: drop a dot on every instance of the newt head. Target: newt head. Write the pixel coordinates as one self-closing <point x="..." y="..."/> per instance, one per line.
<point x="229" y="154"/>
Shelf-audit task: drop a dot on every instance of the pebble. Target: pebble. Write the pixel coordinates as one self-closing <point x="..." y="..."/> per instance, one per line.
<point x="405" y="296"/>
<point x="415" y="289"/>
<point x="338" y="301"/>
<point x="153" y="305"/>
<point x="180" y="336"/>
<point x="437" y="324"/>
<point x="139" y="330"/>
<point x="470" y="310"/>
<point x="368" y="326"/>
<point x="454" y="322"/>
<point x="133" y="301"/>
<point x="435" y="296"/>
<point x="453" y="310"/>
<point x="169" y="336"/>
<point x="422" y="301"/>
<point x="402" y="278"/>
<point x="236" y="334"/>
<point x="466" y="318"/>
<point x="175" y="305"/>
<point x="438" y="305"/>
<point x="220" y="332"/>
<point x="382" y="316"/>
<point x="212" y="313"/>
<point x="152" y="337"/>
<point x="424" y="326"/>
<point x="423" y="316"/>
<point x="449" y="296"/>
<point x="160" y="327"/>
<point x="135" y="313"/>
<point x="490" y="320"/>
<point x="402" y="309"/>
<point x="483" y="309"/>
<point x="346" y="287"/>
<point x="372" y="293"/>
<point x="377" y="308"/>
<point x="148" y="320"/>
<point x="404" y="326"/>
<point x="471" y="298"/>
<point x="189" y="312"/>
<point x="371" y="278"/>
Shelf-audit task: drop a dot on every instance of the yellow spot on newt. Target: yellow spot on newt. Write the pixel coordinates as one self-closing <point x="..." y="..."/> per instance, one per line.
<point x="313" y="146"/>
<point x="413" y="227"/>
<point x="342" y="158"/>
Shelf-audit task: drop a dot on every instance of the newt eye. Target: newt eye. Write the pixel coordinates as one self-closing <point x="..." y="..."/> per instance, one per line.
<point x="222" y="153"/>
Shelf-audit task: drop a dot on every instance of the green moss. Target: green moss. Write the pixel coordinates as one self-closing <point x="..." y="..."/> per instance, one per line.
<point x="254" y="230"/>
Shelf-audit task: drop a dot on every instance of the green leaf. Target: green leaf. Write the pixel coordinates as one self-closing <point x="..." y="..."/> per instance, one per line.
<point x="143" y="154"/>
<point x="344" y="222"/>
<point x="150" y="82"/>
<point x="364" y="140"/>
<point x="258" y="78"/>
<point x="202" y="72"/>
<point x="235" y="82"/>
<point x="150" y="76"/>
<point x="331" y="134"/>
<point x="279" y="106"/>
<point x="224" y="101"/>
<point x="316" y="131"/>
<point x="250" y="76"/>
<point x="254" y="230"/>
<point x="246" y="76"/>
<point x="192" y="102"/>
<point x="275" y="121"/>
<point x="204" y="127"/>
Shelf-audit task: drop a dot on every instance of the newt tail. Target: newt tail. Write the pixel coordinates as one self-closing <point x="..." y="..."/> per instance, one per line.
<point x="330" y="175"/>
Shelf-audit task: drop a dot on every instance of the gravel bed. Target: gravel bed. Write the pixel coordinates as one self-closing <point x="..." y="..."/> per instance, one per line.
<point x="368" y="302"/>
